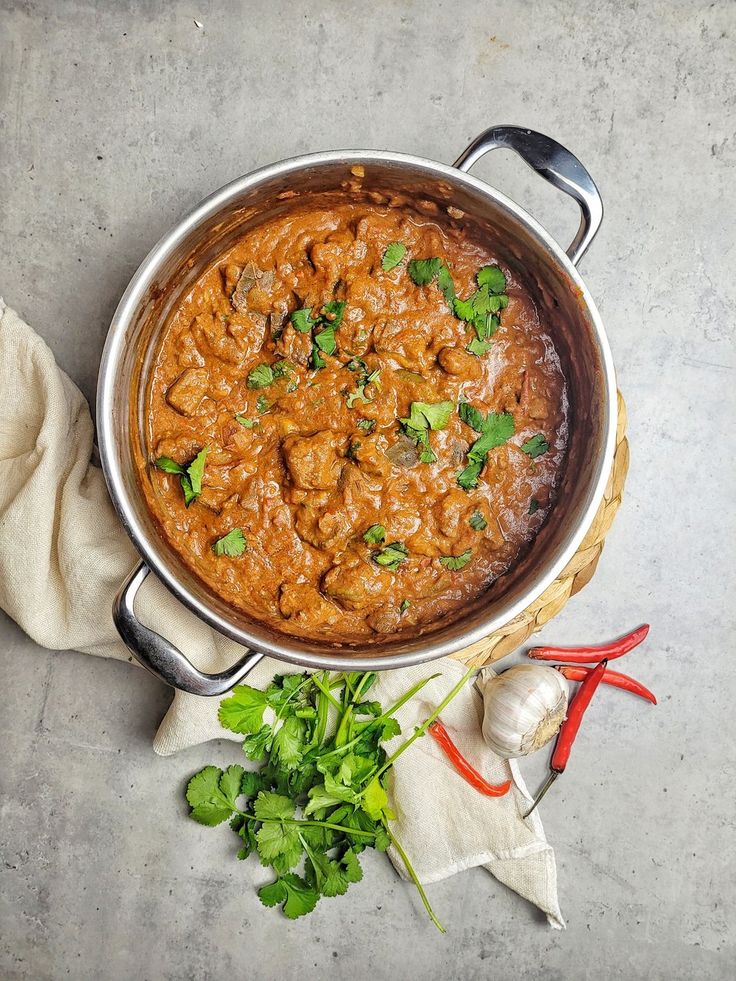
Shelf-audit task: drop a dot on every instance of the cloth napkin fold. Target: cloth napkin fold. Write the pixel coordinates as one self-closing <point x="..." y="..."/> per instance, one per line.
<point x="81" y="555"/>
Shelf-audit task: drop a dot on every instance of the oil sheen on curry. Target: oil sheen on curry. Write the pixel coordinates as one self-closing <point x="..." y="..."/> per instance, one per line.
<point x="356" y="423"/>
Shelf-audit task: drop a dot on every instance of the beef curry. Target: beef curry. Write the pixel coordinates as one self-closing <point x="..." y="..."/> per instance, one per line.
<point x="356" y="422"/>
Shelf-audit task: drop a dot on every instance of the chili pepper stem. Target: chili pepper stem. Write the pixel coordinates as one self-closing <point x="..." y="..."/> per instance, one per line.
<point x="553" y="775"/>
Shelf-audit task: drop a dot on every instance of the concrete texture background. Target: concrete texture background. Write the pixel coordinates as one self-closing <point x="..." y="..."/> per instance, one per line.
<point x="119" y="116"/>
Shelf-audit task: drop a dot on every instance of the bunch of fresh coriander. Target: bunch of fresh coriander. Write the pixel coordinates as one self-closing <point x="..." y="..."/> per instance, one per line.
<point x="319" y="797"/>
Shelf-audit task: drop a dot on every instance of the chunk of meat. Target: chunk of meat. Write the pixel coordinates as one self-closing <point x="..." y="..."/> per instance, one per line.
<point x="455" y="361"/>
<point x="294" y="346"/>
<point x="187" y="352"/>
<point x="357" y="584"/>
<point x="384" y="621"/>
<point x="323" y="528"/>
<point x="246" y="282"/>
<point x="314" y="462"/>
<point x="303" y="603"/>
<point x="187" y="392"/>
<point x="453" y="514"/>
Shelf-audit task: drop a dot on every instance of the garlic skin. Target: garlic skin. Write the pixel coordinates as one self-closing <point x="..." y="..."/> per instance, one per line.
<point x="524" y="708"/>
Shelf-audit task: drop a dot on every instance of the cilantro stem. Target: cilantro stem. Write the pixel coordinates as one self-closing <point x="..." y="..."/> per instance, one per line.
<point x="325" y="689"/>
<point x="397" y="705"/>
<point x="414" y="878"/>
<point x="308" y="824"/>
<point x="427" y="723"/>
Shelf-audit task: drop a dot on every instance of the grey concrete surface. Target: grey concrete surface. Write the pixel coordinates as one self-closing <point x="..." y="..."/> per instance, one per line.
<point x="116" y="117"/>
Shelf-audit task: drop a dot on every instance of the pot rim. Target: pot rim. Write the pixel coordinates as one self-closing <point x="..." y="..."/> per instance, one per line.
<point x="287" y="648"/>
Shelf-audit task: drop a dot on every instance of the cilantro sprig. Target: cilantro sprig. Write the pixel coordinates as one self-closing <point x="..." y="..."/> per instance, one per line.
<point x="424" y="416"/>
<point x="482" y="308"/>
<point x="190" y="475"/>
<point x="424" y="271"/>
<point x="323" y="328"/>
<point x="495" y="429"/>
<point x="318" y="800"/>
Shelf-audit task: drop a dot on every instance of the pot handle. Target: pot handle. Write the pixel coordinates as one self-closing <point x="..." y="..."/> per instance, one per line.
<point x="160" y="656"/>
<point x="553" y="162"/>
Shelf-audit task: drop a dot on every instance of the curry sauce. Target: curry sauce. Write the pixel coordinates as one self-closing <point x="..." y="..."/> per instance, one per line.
<point x="356" y="422"/>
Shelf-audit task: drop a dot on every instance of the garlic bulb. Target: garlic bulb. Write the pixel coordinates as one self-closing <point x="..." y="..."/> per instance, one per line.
<point x="523" y="708"/>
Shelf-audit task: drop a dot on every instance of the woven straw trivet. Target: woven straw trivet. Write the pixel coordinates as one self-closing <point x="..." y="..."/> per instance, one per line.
<point x="574" y="576"/>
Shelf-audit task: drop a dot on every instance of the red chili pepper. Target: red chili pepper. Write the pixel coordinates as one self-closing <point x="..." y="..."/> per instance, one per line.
<point x="576" y="672"/>
<point x="462" y="766"/>
<point x="569" y="729"/>
<point x="592" y="655"/>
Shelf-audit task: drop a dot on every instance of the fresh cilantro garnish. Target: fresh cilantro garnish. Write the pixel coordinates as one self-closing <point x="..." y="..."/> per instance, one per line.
<point x="393" y="255"/>
<point x="190" y="476"/>
<point x="232" y="544"/>
<point x="355" y="445"/>
<point x="424" y="416"/>
<point x="392" y="555"/>
<point x="477" y="522"/>
<point x="323" y="333"/>
<point x="168" y="465"/>
<point x="481" y="308"/>
<point x="374" y="535"/>
<point x="262" y="404"/>
<point x="365" y="377"/>
<point x="455" y="562"/>
<point x="320" y="796"/>
<point x="533" y="506"/>
<point x="367" y="424"/>
<point x="283" y="369"/>
<point x="302" y="320"/>
<point x="246" y="423"/>
<point x="297" y="896"/>
<point x="424" y="271"/>
<point x="404" y="605"/>
<point x="535" y="446"/>
<point x="494" y="430"/>
<point x="261" y="376"/>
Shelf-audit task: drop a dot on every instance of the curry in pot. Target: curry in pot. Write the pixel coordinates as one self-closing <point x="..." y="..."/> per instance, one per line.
<point x="356" y="422"/>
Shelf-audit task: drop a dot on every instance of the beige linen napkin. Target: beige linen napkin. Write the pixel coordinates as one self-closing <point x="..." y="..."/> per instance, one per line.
<point x="49" y="490"/>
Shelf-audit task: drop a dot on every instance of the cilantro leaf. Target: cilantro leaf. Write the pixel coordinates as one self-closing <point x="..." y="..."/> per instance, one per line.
<point x="282" y="369"/>
<point x="492" y="277"/>
<point x="232" y="544"/>
<point x="423" y="271"/>
<point x="367" y="424"/>
<point x="210" y="806"/>
<point x="498" y="427"/>
<point x="251" y="783"/>
<point x="374" y="535"/>
<point x="463" y="309"/>
<point x="425" y="415"/>
<point x="186" y="486"/>
<point x="375" y="801"/>
<point x="288" y="743"/>
<point x="468" y="478"/>
<point x="195" y="471"/>
<point x="535" y="446"/>
<point x="168" y="465"/>
<point x="393" y="255"/>
<point x="231" y="783"/>
<point x="392" y="555"/>
<point x="256" y="745"/>
<point x="446" y="285"/>
<point x="243" y="711"/>
<point x="261" y="377"/>
<point x="333" y="312"/>
<point x="297" y="896"/>
<point x="533" y="506"/>
<point x="404" y="605"/>
<point x="302" y="320"/>
<point x="478" y="347"/>
<point x="246" y="423"/>
<point x="455" y="562"/>
<point x="262" y="404"/>
<point x="477" y="522"/>
<point x="470" y="415"/>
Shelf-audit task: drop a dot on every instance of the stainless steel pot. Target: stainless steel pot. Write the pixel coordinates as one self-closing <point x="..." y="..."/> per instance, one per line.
<point x="178" y="259"/>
